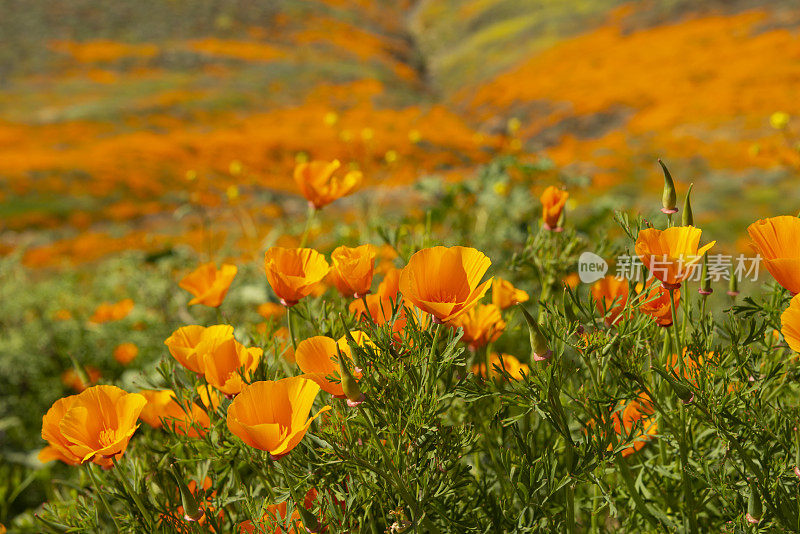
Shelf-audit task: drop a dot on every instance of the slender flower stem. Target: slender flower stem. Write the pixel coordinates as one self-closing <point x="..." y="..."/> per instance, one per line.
<point x="291" y="329"/>
<point x="312" y="212"/>
<point x="99" y="492"/>
<point x="569" y="494"/>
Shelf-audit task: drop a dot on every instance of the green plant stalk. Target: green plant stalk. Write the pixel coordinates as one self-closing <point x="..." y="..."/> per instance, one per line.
<point x="640" y="505"/>
<point x="290" y="327"/>
<point x="396" y="481"/>
<point x="426" y="364"/>
<point x="312" y="212"/>
<point x="569" y="493"/>
<point x="134" y="496"/>
<point x="688" y="497"/>
<point x="102" y="497"/>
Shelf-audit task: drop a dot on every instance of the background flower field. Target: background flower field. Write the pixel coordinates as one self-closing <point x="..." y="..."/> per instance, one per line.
<point x="139" y="141"/>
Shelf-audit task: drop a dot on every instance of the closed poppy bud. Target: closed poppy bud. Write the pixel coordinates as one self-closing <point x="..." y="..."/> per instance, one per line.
<point x="775" y="240"/>
<point x="318" y="184"/>
<point x="669" y="199"/>
<point x="688" y="217"/>
<point x="733" y="283"/>
<point x="754" y="508"/>
<point x="540" y="349"/>
<point x="790" y="324"/>
<point x="95" y="425"/>
<point x="352" y="269"/>
<point x="671" y="254"/>
<point x="293" y="273"/>
<point x="124" y="353"/>
<point x="224" y="358"/>
<point x="445" y="282"/>
<point x="192" y="511"/>
<point x="279" y="429"/>
<point x="349" y="383"/>
<point x="553" y="201"/>
<point x="505" y="295"/>
<point x="208" y="284"/>
<point x="482" y="325"/>
<point x="318" y="358"/>
<point x="681" y="391"/>
<point x="705" y="280"/>
<point x="183" y="343"/>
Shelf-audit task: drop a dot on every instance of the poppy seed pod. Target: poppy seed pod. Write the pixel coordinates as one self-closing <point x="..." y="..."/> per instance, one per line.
<point x="669" y="200"/>
<point x="688" y="217"/>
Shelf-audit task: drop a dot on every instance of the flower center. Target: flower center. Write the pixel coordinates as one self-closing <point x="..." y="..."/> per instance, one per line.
<point x="107" y="437"/>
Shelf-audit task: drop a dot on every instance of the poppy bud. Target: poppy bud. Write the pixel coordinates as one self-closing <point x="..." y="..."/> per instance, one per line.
<point x="349" y="383"/>
<point x="754" y="509"/>
<point x="310" y="521"/>
<point x="682" y="392"/>
<point x="688" y="216"/>
<point x="669" y="200"/>
<point x="539" y="348"/>
<point x="733" y="284"/>
<point x="192" y="512"/>
<point x="562" y="220"/>
<point x="705" y="281"/>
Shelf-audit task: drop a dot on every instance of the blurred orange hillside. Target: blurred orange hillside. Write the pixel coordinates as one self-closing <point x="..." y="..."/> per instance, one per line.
<point x="113" y="120"/>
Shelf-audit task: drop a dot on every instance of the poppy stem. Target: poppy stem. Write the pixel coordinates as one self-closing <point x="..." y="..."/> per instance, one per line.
<point x="312" y="212"/>
<point x="289" y="326"/>
<point x="99" y="491"/>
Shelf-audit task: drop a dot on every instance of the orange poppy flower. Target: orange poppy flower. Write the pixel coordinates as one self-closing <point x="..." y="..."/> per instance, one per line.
<point x="124" y="353"/>
<point x="505" y="295"/>
<point x="318" y="184"/>
<point x="611" y="295"/>
<point x="390" y="285"/>
<point x="208" y="284"/>
<point x="183" y="344"/>
<point x="275" y="516"/>
<point x="162" y="406"/>
<point x="655" y="301"/>
<point x="270" y="310"/>
<point x="294" y="272"/>
<point x="94" y="425"/>
<point x="790" y="324"/>
<point x="58" y="445"/>
<point x="73" y="380"/>
<point x="352" y="269"/>
<point x="638" y="411"/>
<point x="62" y="315"/>
<point x="776" y="240"/>
<point x="223" y="357"/>
<point x="510" y="363"/>
<point x="671" y="254"/>
<point x="445" y="282"/>
<point x="318" y="358"/>
<point x="279" y="429"/>
<point x="553" y="200"/>
<point x="112" y="311"/>
<point x="482" y="325"/>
